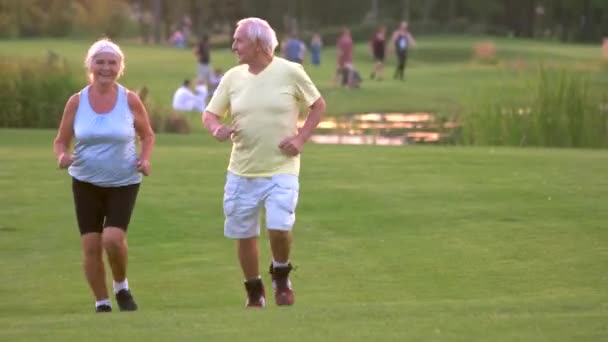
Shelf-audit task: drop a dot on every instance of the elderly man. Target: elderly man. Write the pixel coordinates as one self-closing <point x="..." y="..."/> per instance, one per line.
<point x="263" y="96"/>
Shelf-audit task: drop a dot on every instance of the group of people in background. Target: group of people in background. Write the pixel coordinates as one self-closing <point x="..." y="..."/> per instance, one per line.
<point x="294" y="49"/>
<point x="188" y="98"/>
<point x="401" y="40"/>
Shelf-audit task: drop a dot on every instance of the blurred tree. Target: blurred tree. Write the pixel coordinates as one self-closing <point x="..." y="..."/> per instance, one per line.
<point x="60" y="22"/>
<point x="31" y="17"/>
<point x="568" y="20"/>
<point x="8" y="18"/>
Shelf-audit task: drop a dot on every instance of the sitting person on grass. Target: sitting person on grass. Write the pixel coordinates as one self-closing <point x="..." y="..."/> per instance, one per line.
<point x="184" y="99"/>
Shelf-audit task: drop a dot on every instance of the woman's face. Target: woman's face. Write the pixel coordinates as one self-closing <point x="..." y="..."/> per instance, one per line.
<point x="105" y="67"/>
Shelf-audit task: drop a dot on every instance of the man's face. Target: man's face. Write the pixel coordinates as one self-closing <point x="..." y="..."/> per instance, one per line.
<point x="243" y="47"/>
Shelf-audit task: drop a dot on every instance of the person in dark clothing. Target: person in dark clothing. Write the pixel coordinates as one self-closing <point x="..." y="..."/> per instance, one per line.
<point x="402" y="40"/>
<point x="378" y="47"/>
<point x="202" y="52"/>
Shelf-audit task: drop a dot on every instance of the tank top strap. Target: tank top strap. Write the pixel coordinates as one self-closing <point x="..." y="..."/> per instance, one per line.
<point x="83" y="99"/>
<point x="122" y="100"/>
<point x="122" y="95"/>
<point x="84" y="95"/>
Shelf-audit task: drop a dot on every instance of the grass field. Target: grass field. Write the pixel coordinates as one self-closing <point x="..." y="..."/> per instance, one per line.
<point x="392" y="244"/>
<point x="441" y="76"/>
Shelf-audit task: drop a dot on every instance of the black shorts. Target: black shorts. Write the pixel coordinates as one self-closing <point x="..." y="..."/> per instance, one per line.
<point x="98" y="207"/>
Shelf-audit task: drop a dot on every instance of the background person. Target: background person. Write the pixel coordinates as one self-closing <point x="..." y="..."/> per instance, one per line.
<point x="202" y="50"/>
<point x="345" y="54"/>
<point x="402" y="40"/>
<point x="184" y="99"/>
<point x="378" y="47"/>
<point x="316" y="44"/>
<point x="294" y="49"/>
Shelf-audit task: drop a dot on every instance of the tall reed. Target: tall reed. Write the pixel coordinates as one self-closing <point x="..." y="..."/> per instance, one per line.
<point x="560" y="113"/>
<point x="34" y="92"/>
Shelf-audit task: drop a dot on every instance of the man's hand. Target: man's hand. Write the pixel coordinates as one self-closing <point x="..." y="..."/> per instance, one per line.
<point x="292" y="146"/>
<point x="221" y="132"/>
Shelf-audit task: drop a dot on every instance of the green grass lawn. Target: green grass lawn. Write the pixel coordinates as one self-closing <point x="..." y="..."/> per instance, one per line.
<point x="392" y="244"/>
<point x="441" y="76"/>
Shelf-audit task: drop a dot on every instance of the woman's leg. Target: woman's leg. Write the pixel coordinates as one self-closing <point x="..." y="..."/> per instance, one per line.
<point x="115" y="244"/>
<point x="93" y="264"/>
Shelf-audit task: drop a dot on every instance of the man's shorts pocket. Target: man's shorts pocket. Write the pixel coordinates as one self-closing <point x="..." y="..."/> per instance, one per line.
<point x="230" y="194"/>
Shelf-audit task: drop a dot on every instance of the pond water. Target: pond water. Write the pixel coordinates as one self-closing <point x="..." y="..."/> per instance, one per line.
<point x="383" y="129"/>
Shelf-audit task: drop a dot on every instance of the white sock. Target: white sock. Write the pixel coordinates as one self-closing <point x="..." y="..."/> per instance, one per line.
<point x="106" y="301"/>
<point x="280" y="264"/>
<point x="252" y="279"/>
<point x="124" y="285"/>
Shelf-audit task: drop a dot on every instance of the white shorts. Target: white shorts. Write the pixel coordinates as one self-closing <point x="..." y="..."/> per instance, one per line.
<point x="244" y="198"/>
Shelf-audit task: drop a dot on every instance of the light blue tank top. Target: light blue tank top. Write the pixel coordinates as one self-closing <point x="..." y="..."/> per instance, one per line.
<point x="105" y="153"/>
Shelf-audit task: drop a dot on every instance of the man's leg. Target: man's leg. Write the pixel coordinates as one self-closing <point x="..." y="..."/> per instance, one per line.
<point x="242" y="212"/>
<point x="402" y="57"/>
<point x="404" y="63"/>
<point x="280" y="217"/>
<point x="280" y="244"/>
<point x="249" y="256"/>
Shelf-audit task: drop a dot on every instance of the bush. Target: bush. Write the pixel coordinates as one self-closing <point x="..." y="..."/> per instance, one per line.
<point x="176" y="123"/>
<point x="34" y="92"/>
<point x="157" y="119"/>
<point x="160" y="122"/>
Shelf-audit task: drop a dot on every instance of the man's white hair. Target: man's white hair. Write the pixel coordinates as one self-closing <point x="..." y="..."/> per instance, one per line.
<point x="101" y="46"/>
<point x="259" y="29"/>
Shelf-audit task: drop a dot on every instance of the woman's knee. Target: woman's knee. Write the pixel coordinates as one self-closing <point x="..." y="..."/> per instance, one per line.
<point x="91" y="246"/>
<point x="113" y="239"/>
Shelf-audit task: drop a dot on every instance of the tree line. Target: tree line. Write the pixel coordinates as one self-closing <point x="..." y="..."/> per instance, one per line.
<point x="566" y="20"/>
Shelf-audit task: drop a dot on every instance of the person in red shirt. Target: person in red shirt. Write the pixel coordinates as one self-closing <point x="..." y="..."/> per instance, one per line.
<point x="345" y="55"/>
<point x="378" y="48"/>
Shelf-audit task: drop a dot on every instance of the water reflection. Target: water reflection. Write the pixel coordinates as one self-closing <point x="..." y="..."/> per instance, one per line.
<point x="384" y="129"/>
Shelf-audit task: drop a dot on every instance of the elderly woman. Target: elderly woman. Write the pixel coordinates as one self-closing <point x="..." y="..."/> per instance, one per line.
<point x="263" y="96"/>
<point x="105" y="119"/>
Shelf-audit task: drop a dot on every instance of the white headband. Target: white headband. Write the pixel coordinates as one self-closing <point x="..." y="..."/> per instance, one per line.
<point x="108" y="49"/>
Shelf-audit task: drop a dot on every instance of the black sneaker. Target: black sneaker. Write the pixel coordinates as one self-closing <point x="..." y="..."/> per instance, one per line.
<point x="283" y="292"/>
<point x="256" y="297"/>
<point x="103" y="308"/>
<point x="125" y="301"/>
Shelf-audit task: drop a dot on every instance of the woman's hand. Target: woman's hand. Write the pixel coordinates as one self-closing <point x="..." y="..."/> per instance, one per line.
<point x="64" y="161"/>
<point x="144" y="167"/>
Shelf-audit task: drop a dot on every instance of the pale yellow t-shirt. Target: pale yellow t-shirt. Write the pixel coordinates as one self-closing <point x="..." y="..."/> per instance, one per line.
<point x="264" y="108"/>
